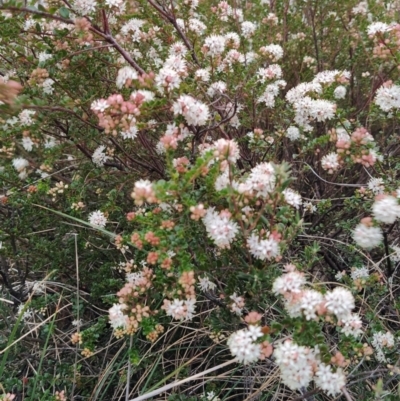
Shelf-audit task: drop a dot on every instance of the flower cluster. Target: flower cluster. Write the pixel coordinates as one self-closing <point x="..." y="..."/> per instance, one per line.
<point x="301" y="301"/>
<point x="220" y="228"/>
<point x="245" y="347"/>
<point x="380" y="341"/>
<point x="300" y="365"/>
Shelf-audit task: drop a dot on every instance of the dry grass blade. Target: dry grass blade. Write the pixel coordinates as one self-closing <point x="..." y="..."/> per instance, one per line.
<point x="180" y="382"/>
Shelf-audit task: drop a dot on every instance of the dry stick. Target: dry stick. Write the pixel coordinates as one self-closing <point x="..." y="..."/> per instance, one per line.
<point x="346" y="394"/>
<point x="128" y="379"/>
<point x="180" y="382"/>
<point x="7" y="301"/>
<point x="77" y="310"/>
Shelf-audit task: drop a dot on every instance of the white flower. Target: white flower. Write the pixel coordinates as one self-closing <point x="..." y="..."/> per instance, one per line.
<point x="214" y="44"/>
<point x="195" y="112"/>
<point x="98" y="219"/>
<point x="177" y="49"/>
<point x="339" y="302"/>
<point x="395" y="255"/>
<point x="133" y="26"/>
<point x="50" y="142"/>
<point x="359" y="272"/>
<point x="271" y="92"/>
<point x="263" y="249"/>
<point x="242" y="346"/>
<point x="292" y="282"/>
<point x="190" y="306"/>
<point x="125" y="74"/>
<point x="309" y="207"/>
<point x="331" y="383"/>
<point x="180" y="309"/>
<point x="203" y="75"/>
<point x="275" y="51"/>
<point x="292" y="197"/>
<point x="20" y="164"/>
<point x="44" y="57"/>
<point x="237" y="305"/>
<point x="352" y="325"/>
<point x="340" y="92"/>
<point x="261" y="180"/>
<point x="296" y="364"/>
<point x="376" y="185"/>
<point x="377" y="27"/>
<point x="115" y="3"/>
<point x="383" y="339"/>
<point x="222" y="181"/>
<point x="131" y="133"/>
<point x="216" y="88"/>
<point x="367" y="237"/>
<point x="99" y="105"/>
<point x="148" y="95"/>
<point x="28" y="314"/>
<point x="388" y="97"/>
<point x="380" y="341"/>
<point x="386" y="209"/>
<point x="248" y="28"/>
<point x="309" y="303"/>
<point x="48" y="86"/>
<point x="220" y="228"/>
<point x="117" y="317"/>
<point x="361" y="8"/>
<point x="328" y="77"/>
<point x="197" y="26"/>
<point x="274" y="71"/>
<point x="25" y="117"/>
<point x="293" y="133"/>
<point x="340" y="275"/>
<point x="232" y="40"/>
<point x="99" y="157"/>
<point x="205" y="284"/>
<point x="27" y="143"/>
<point x="226" y="150"/>
<point x="211" y="396"/>
<point x="77" y="323"/>
<point x="168" y="79"/>
<point x="85" y="7"/>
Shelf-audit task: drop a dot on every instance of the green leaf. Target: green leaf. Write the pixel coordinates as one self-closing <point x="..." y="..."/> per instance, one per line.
<point x="64" y="12"/>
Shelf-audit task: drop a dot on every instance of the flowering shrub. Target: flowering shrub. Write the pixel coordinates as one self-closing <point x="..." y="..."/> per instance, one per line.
<point x="221" y="177"/>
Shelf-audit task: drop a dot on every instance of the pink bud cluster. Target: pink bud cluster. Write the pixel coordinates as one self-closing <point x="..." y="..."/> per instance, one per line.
<point x="115" y="113"/>
<point x="126" y="316"/>
<point x="173" y="136"/>
<point x="9" y="91"/>
<point x="357" y="146"/>
<point x="143" y="192"/>
<point x="386" y="41"/>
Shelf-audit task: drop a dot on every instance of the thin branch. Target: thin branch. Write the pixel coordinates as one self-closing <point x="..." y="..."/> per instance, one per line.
<point x="105" y="35"/>
<point x="346" y="394"/>
<point x="110" y="39"/>
<point x="37" y="12"/>
<point x="172" y="20"/>
<point x="329" y="182"/>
